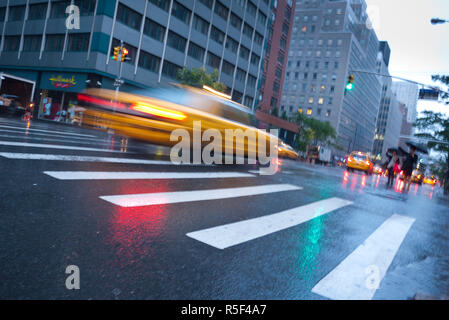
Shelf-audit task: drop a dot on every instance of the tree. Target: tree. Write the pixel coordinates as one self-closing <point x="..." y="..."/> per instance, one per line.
<point x="198" y="77"/>
<point x="435" y="128"/>
<point x="314" y="132"/>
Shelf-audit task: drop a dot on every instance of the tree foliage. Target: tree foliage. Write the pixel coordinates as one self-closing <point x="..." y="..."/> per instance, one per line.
<point x="198" y="77"/>
<point x="314" y="132"/>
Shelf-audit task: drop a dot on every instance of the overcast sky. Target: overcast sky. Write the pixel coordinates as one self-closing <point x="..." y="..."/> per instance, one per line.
<point x="418" y="48"/>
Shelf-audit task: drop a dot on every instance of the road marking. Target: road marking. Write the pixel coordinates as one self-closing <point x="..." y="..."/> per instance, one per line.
<point x="148" y="199"/>
<point x="58" y="157"/>
<point x="53" y="146"/>
<point x="88" y="175"/>
<point x="232" y="234"/>
<point x="50" y="131"/>
<point x="35" y="134"/>
<point x="350" y="279"/>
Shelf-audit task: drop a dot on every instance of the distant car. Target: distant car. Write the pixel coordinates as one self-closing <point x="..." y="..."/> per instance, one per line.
<point x="417" y="177"/>
<point x="377" y="169"/>
<point x="430" y="181"/>
<point x="359" y="161"/>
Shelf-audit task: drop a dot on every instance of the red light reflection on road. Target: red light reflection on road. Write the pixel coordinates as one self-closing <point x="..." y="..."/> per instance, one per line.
<point x="354" y="182"/>
<point x="363" y="182"/>
<point x="345" y="179"/>
<point x="133" y="229"/>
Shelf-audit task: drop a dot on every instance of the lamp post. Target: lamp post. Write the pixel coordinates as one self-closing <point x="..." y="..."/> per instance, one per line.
<point x="436" y="21"/>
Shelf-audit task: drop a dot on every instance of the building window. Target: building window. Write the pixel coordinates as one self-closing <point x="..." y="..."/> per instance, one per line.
<point x="255" y="59"/>
<point x="12" y="43"/>
<point x="78" y="42"/>
<point x="309" y="111"/>
<point x="321" y="101"/>
<point x="196" y="51"/>
<point x="300" y="111"/>
<point x="276" y="86"/>
<point x="149" y="61"/>
<point x="251" y="9"/>
<point x="278" y="73"/>
<point x="248" y="101"/>
<point x="213" y="60"/>
<point x="87" y="7"/>
<point x="330" y="101"/>
<point x="2" y="13"/>
<point x="163" y="4"/>
<point x="228" y="68"/>
<point x="154" y="30"/>
<point x="285" y="28"/>
<point x="54" y="42"/>
<point x="58" y="9"/>
<point x="311" y="100"/>
<point x="37" y="11"/>
<point x="32" y="43"/>
<point x="262" y="18"/>
<point x="240" y="75"/>
<point x="232" y="45"/>
<point x="283" y="44"/>
<point x="217" y="35"/>
<point x="328" y="113"/>
<point x="207" y="3"/>
<point x="251" y="82"/>
<point x="237" y="96"/>
<point x="258" y="38"/>
<point x="280" y="58"/>
<point x="248" y="31"/>
<point x="236" y="22"/>
<point x="244" y="52"/>
<point x="176" y="41"/>
<point x="273" y="102"/>
<point x="170" y="69"/>
<point x="129" y="17"/>
<point x="221" y="10"/>
<point x="181" y="12"/>
<point x="16" y="13"/>
<point x="200" y="25"/>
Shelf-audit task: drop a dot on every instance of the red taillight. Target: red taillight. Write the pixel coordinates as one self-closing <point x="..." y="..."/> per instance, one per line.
<point x="402" y="172"/>
<point x="159" y="111"/>
<point x="101" y="102"/>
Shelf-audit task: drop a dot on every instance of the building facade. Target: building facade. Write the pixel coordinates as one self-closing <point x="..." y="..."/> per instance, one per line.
<point x="408" y="94"/>
<point x="162" y="36"/>
<point x="275" y="60"/>
<point x="389" y="120"/>
<point x="330" y="41"/>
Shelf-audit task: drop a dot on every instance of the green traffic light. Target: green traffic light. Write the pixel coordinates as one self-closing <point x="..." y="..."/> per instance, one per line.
<point x="349" y="86"/>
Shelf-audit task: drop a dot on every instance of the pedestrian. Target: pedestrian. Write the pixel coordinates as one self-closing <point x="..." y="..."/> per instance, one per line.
<point x="393" y="161"/>
<point x="410" y="162"/>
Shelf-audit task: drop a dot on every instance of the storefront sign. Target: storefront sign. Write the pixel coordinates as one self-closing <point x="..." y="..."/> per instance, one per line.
<point x="69" y="82"/>
<point x="60" y="82"/>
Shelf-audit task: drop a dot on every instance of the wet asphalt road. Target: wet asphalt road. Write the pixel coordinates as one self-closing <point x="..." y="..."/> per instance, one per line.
<point x="149" y="251"/>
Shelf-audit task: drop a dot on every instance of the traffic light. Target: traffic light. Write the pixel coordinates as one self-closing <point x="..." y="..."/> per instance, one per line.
<point x="350" y="84"/>
<point x="116" y="53"/>
<point x="124" y="54"/>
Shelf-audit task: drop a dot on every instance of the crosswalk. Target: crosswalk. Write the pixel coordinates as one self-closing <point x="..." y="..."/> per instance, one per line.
<point x="358" y="276"/>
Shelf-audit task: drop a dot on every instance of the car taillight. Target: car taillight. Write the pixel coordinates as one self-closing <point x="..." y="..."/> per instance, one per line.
<point x="367" y="163"/>
<point x="159" y="111"/>
<point x="100" y="102"/>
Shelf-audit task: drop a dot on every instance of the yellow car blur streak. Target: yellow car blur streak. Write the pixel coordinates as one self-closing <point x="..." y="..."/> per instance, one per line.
<point x="169" y="117"/>
<point x="286" y="151"/>
<point x="429" y="180"/>
<point x="359" y="161"/>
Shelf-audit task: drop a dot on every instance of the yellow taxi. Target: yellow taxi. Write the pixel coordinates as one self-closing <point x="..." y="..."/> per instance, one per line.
<point x="359" y="161"/>
<point x="152" y="115"/>
<point x="429" y="180"/>
<point x="287" y="151"/>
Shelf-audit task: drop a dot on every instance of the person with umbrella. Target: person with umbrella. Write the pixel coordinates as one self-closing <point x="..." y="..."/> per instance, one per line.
<point x="392" y="161"/>
<point x="409" y="163"/>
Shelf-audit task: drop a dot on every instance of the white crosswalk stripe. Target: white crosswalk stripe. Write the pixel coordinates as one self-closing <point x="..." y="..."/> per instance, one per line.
<point x="47" y="131"/>
<point x="53" y="146"/>
<point x="232" y="234"/>
<point x="89" y="175"/>
<point x="59" y="157"/>
<point x="148" y="199"/>
<point x="358" y="276"/>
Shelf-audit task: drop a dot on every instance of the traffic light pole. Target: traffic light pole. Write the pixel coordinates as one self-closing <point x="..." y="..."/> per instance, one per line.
<point x="118" y="81"/>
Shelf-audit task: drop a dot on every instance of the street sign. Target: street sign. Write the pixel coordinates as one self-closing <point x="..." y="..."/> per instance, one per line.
<point x="429" y="94"/>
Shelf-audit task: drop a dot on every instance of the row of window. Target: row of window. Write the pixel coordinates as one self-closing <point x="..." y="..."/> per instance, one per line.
<point x="319" y="42"/>
<point x="54" y="42"/>
<point x="308" y="111"/>
<point x="318" y="53"/>
<point x="307" y="64"/>
<point x="38" y="11"/>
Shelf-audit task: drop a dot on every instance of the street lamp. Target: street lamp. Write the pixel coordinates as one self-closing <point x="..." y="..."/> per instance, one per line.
<point x="435" y="21"/>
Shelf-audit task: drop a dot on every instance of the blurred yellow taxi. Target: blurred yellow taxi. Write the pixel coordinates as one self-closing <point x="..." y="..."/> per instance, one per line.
<point x="429" y="180"/>
<point x="359" y="161"/>
<point x="287" y="151"/>
<point x="152" y="115"/>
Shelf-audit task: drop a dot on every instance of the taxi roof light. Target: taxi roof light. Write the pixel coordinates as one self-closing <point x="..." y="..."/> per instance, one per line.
<point x="159" y="111"/>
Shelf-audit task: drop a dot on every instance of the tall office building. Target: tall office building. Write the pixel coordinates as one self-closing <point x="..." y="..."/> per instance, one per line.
<point x="161" y="36"/>
<point x="330" y="41"/>
<point x="408" y="94"/>
<point x="389" y="120"/>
